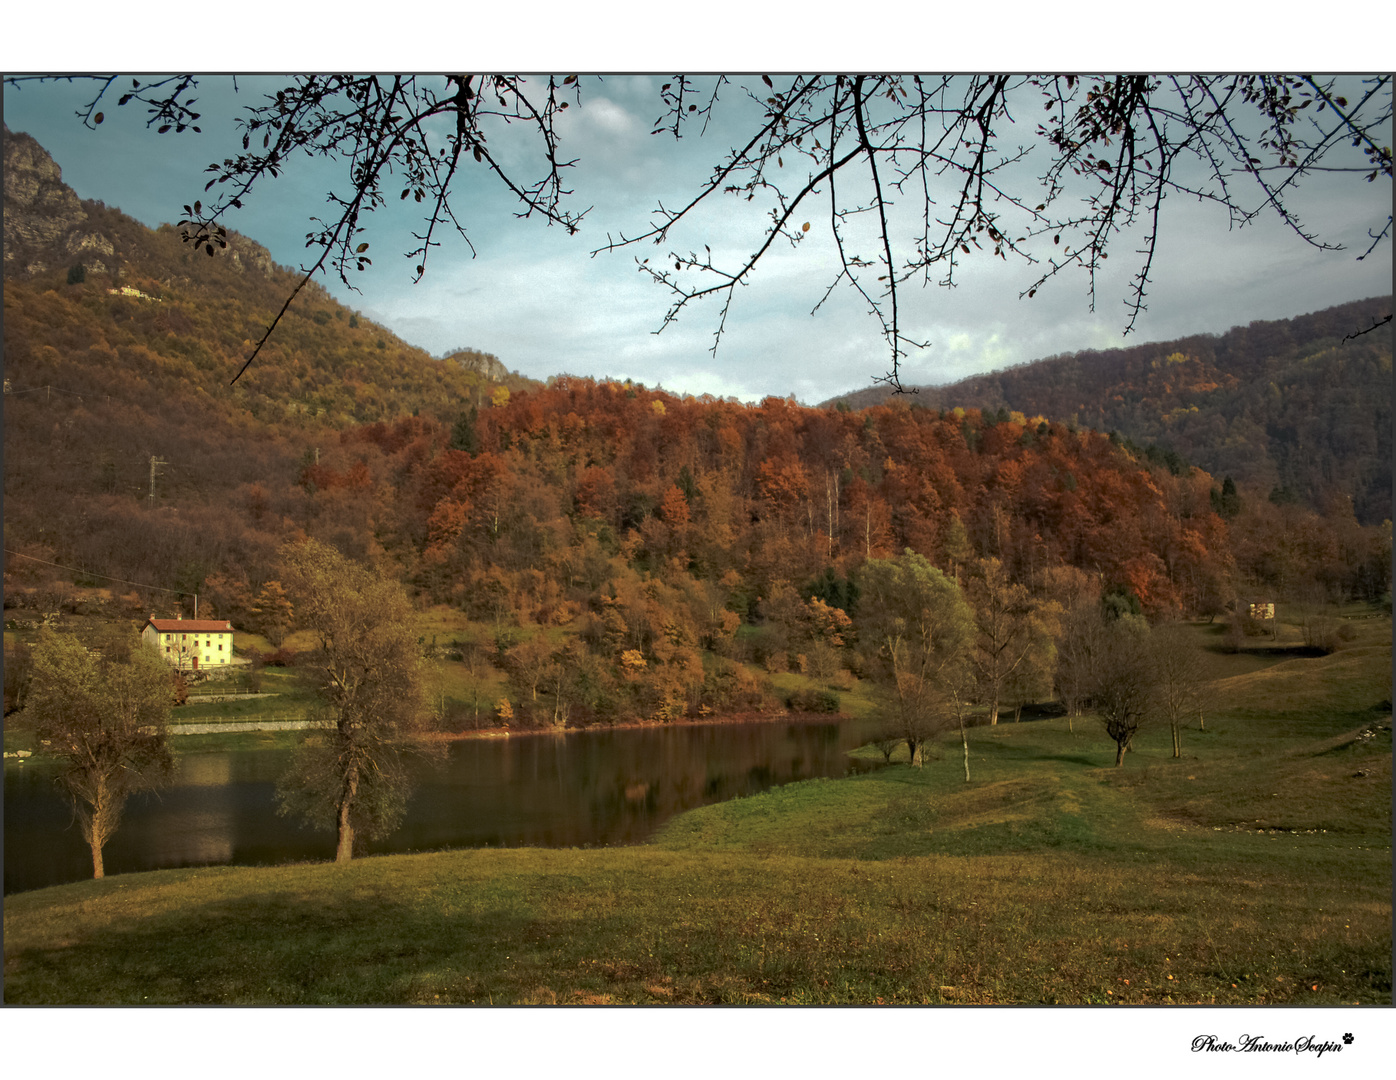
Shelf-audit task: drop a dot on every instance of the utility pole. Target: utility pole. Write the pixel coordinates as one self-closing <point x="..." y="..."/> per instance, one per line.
<point x="154" y="461"/>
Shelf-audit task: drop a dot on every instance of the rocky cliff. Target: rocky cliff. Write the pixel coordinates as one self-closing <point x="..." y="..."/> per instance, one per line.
<point x="46" y="226"/>
<point x="486" y="365"/>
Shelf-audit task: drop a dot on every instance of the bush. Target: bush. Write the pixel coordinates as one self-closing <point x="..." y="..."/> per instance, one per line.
<point x="813" y="701"/>
<point x="730" y="687"/>
<point x="1321" y="633"/>
<point x="280" y="658"/>
<point x="842" y="680"/>
<point x="18" y="674"/>
<point x="822" y="660"/>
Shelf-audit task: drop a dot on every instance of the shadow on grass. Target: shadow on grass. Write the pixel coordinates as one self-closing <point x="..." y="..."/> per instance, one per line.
<point x="1269" y="652"/>
<point x="288" y="949"/>
<point x="1028" y="753"/>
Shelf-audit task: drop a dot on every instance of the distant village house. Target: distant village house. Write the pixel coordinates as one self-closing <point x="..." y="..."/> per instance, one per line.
<point x="190" y="644"/>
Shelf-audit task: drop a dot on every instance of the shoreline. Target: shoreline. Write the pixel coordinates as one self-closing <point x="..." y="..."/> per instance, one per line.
<point x="636" y="725"/>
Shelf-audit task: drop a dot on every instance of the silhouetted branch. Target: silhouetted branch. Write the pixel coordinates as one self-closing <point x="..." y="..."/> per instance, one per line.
<point x="1375" y="324"/>
<point x="956" y="148"/>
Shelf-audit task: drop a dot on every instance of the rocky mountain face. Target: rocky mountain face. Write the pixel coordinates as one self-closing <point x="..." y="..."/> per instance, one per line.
<point x="486" y="365"/>
<point x="48" y="228"/>
<point x="46" y="225"/>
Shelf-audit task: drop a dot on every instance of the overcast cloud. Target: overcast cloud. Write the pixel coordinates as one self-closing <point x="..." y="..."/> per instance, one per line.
<point x="537" y="299"/>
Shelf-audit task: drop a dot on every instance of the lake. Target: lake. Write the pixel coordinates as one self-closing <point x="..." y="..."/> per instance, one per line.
<point x="578" y="789"/>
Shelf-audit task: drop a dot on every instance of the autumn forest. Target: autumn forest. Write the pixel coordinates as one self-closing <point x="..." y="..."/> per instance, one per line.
<point x="658" y="539"/>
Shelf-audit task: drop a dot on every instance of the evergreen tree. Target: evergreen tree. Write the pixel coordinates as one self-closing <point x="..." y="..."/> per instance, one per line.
<point x="463" y="436"/>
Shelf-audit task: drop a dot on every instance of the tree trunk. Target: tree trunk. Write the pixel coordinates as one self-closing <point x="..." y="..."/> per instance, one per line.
<point x="345" y="851"/>
<point x="1177" y="742"/>
<point x="97" y="824"/>
<point x="964" y="741"/>
<point x="993" y="712"/>
<point x="1119" y="754"/>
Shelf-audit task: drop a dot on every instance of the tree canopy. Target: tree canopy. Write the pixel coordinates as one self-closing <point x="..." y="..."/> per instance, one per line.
<point x="368" y="673"/>
<point x="915" y="623"/>
<point x="103" y="715"/>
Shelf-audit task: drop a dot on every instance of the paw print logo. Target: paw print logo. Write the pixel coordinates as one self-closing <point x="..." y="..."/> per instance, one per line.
<point x="1347" y="1039"/>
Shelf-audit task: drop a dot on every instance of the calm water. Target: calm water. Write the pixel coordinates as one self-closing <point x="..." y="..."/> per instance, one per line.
<point x="582" y="788"/>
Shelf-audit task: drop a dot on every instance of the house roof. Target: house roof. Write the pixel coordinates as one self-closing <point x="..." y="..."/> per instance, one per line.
<point x="190" y="626"/>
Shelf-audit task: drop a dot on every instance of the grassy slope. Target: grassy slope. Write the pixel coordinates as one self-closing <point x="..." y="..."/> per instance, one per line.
<point x="1256" y="869"/>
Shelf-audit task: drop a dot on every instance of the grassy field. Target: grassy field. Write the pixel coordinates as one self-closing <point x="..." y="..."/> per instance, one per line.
<point x="1256" y="869"/>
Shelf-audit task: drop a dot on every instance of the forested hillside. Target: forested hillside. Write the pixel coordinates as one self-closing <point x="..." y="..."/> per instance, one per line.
<point x="645" y="539"/>
<point x="1287" y="408"/>
<point x="120" y="344"/>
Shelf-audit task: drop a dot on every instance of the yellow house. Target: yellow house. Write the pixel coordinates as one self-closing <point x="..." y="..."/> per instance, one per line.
<point x="190" y="644"/>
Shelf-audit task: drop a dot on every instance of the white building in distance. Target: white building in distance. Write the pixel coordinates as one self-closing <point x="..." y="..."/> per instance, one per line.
<point x="190" y="644"/>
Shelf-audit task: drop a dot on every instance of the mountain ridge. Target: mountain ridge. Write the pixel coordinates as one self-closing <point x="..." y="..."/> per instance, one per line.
<point x="1286" y="406"/>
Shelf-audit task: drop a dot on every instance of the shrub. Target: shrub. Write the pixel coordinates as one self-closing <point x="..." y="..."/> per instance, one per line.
<point x="728" y="686"/>
<point x="841" y="680"/>
<point x="282" y="657"/>
<point x="1322" y="632"/>
<point x="813" y="701"/>
<point x="823" y="660"/>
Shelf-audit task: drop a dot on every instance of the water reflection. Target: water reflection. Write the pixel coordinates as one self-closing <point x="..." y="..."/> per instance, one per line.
<point x="573" y="790"/>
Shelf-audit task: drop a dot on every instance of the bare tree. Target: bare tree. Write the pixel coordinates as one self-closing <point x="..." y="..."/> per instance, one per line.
<point x="1079" y="640"/>
<point x="1013" y="633"/>
<point x="1125" y="684"/>
<point x="958" y="683"/>
<point x="972" y="175"/>
<point x="1179" y="678"/>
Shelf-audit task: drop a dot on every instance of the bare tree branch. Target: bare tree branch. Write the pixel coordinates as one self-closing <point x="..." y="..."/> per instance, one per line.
<point x="955" y="151"/>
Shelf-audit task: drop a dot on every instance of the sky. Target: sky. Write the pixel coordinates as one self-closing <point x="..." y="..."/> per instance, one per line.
<point x="544" y="304"/>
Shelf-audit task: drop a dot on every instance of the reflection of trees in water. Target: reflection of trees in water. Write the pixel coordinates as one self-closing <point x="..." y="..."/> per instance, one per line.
<point x="203" y="770"/>
<point x="611" y="787"/>
<point x="579" y="789"/>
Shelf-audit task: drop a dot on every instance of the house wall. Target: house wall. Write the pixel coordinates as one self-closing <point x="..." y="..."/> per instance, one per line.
<point x="180" y="649"/>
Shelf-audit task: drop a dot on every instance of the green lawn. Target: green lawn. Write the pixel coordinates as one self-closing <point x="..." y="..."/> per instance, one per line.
<point x="1256" y="869"/>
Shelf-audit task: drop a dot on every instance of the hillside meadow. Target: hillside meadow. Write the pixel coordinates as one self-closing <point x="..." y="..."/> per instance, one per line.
<point x="1254" y="870"/>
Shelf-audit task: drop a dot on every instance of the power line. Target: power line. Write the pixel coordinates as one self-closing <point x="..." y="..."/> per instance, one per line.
<point x="49" y="389"/>
<point x="105" y="577"/>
